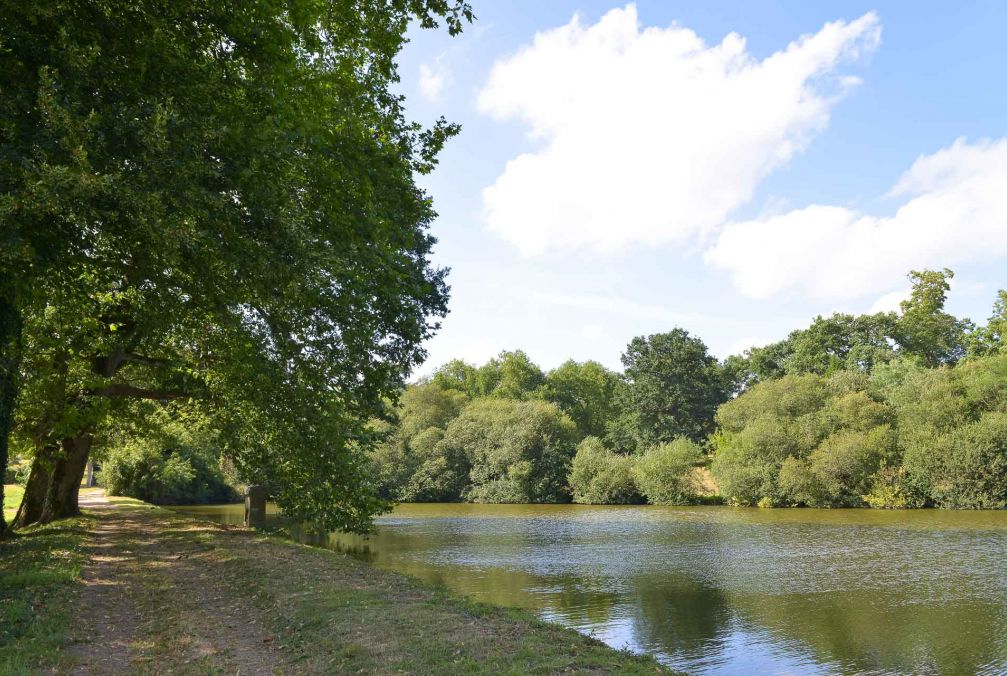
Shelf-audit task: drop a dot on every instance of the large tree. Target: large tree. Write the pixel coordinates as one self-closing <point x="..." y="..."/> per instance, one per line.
<point x="925" y="331"/>
<point x="674" y="389"/>
<point x="217" y="200"/>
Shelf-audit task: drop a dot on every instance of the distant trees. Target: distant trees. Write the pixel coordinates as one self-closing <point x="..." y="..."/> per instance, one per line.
<point x="587" y="392"/>
<point x="665" y="473"/>
<point x="517" y="451"/>
<point x="599" y="476"/>
<point x="992" y="338"/>
<point x="922" y="331"/>
<point x="674" y="387"/>
<point x="889" y="410"/>
<point x="952" y="433"/>
<point x="507" y="432"/>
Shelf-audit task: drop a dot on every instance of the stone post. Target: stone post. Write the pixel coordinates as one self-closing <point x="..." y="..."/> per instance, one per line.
<point x="255" y="506"/>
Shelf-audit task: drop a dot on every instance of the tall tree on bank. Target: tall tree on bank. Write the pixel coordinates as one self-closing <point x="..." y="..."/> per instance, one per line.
<point x="925" y="330"/>
<point x="674" y="389"/>
<point x="230" y="188"/>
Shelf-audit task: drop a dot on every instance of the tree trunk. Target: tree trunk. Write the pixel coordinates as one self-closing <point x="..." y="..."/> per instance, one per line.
<point x="10" y="359"/>
<point x="35" y="490"/>
<point x="54" y="482"/>
<point x="64" y="486"/>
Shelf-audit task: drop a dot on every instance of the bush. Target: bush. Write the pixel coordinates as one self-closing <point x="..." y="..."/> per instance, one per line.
<point x="890" y="490"/>
<point x="518" y="451"/>
<point x="664" y="474"/>
<point x="803" y="440"/>
<point x="965" y="468"/>
<point x="174" y="464"/>
<point x="600" y="477"/>
<point x="800" y="485"/>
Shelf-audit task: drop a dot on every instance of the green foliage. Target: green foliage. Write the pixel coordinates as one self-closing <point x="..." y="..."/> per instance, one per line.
<point x="924" y="330"/>
<point x="840" y="342"/>
<point x="665" y="473"/>
<point x="600" y="477"/>
<point x="587" y="392"/>
<point x="992" y="338"/>
<point x="802" y="440"/>
<point x="518" y="451"/>
<point x="848" y="412"/>
<point x="674" y="389"/>
<point x="177" y="462"/>
<point x="965" y="468"/>
<point x="408" y="465"/>
<point x="219" y="201"/>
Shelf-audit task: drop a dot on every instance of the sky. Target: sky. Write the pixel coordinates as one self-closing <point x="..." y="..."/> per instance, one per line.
<point x="731" y="168"/>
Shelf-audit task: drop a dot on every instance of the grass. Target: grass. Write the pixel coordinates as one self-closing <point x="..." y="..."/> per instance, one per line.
<point x="11" y="499"/>
<point x="38" y="574"/>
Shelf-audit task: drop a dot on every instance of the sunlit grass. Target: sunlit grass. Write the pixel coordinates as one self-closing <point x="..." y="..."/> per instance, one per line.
<point x="11" y="499"/>
<point x="38" y="573"/>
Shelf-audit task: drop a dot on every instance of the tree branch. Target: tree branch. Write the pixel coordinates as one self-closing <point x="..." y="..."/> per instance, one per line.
<point x="131" y="391"/>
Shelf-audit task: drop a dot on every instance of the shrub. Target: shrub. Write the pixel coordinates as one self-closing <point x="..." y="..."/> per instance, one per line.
<point x="664" y="473"/>
<point x="800" y="485"/>
<point x="517" y="451"/>
<point x="965" y="468"/>
<point x="164" y="476"/>
<point x="847" y="460"/>
<point x="600" y="477"/>
<point x="803" y="440"/>
<point x="890" y="490"/>
<point x="175" y="462"/>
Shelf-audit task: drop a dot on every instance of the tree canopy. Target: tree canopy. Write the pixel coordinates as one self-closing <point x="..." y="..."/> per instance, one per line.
<point x="215" y="200"/>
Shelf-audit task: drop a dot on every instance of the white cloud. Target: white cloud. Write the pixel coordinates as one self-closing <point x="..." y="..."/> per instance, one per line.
<point x="742" y="344"/>
<point x="890" y="302"/>
<point x="954" y="211"/>
<point x="649" y="135"/>
<point x="618" y="306"/>
<point x="432" y="81"/>
<point x="592" y="332"/>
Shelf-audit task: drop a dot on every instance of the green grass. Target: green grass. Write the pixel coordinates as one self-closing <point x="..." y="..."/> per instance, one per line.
<point x="38" y="574"/>
<point x="11" y="499"/>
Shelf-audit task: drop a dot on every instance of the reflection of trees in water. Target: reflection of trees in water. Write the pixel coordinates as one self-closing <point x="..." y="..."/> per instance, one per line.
<point x="581" y="601"/>
<point x="875" y="630"/>
<point x="675" y="612"/>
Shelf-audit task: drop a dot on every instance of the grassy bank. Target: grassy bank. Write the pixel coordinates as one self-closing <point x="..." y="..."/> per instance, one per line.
<point x="188" y="596"/>
<point x="39" y="574"/>
<point x="11" y="499"/>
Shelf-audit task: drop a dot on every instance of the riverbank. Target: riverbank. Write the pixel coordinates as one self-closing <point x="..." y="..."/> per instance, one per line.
<point x="133" y="588"/>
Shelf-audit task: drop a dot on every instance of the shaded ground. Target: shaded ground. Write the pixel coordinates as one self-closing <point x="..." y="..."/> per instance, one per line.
<point x="164" y="593"/>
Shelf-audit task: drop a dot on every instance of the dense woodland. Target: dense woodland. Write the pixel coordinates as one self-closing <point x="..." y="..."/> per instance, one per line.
<point x="900" y="409"/>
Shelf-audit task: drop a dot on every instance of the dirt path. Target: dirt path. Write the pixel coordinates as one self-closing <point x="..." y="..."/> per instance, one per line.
<point x="152" y="603"/>
<point x="168" y="594"/>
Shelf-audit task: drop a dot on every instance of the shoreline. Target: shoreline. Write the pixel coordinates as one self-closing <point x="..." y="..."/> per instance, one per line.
<point x="137" y="588"/>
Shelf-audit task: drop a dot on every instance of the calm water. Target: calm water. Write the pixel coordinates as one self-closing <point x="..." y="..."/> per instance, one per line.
<point x="720" y="589"/>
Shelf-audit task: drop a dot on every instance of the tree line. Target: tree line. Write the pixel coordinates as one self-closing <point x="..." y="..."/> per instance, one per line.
<point x="895" y="409"/>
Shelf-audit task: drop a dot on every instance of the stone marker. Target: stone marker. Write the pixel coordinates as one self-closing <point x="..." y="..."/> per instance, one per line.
<point x="255" y="506"/>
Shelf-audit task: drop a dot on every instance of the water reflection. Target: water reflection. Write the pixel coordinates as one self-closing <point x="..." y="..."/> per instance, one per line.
<point x="716" y="589"/>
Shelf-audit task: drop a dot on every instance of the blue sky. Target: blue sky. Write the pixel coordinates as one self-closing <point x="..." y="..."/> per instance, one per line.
<point x="733" y="168"/>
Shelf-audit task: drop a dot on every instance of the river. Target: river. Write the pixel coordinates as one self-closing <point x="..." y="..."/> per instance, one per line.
<point x="719" y="589"/>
